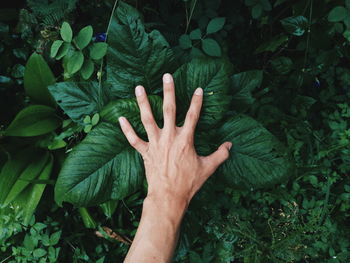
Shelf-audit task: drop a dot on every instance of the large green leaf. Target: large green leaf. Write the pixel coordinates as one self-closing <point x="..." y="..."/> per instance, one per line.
<point x="13" y="169"/>
<point x="257" y="159"/>
<point x="134" y="56"/>
<point x="37" y="77"/>
<point x="31" y="172"/>
<point x="213" y="77"/>
<point x="130" y="109"/>
<point x="78" y="99"/>
<point x="33" y="120"/>
<point x="103" y="166"/>
<point x="243" y="84"/>
<point x="29" y="199"/>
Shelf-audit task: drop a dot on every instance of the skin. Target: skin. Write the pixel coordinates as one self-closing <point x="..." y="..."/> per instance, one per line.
<point x="174" y="173"/>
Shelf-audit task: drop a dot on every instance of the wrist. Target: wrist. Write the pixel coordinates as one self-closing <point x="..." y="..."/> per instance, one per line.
<point x="167" y="201"/>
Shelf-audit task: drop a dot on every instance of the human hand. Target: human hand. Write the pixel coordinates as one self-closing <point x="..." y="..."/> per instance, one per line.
<point x="172" y="165"/>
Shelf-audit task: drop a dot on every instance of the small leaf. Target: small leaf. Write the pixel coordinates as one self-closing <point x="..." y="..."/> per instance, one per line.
<point x="33" y="121"/>
<point x="272" y="44"/>
<point x="211" y="47"/>
<point x="98" y="50"/>
<point x="63" y="50"/>
<point x="185" y="42"/>
<point x="196" y="34"/>
<point x="87" y="119"/>
<point x="257" y="11"/>
<point x="295" y="25"/>
<point x="95" y="119"/>
<point x="55" y="47"/>
<point x="215" y="25"/>
<point x="39" y="252"/>
<point x="87" y="128"/>
<point x="66" y="32"/>
<point x="55" y="237"/>
<point x="87" y="69"/>
<point x="337" y="14"/>
<point x="84" y="37"/>
<point x="75" y="62"/>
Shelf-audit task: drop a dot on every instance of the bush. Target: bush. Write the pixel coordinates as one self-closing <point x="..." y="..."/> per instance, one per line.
<point x="276" y="83"/>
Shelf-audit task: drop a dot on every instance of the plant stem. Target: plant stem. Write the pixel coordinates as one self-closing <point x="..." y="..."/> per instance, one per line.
<point x="100" y="103"/>
<point x="191" y="13"/>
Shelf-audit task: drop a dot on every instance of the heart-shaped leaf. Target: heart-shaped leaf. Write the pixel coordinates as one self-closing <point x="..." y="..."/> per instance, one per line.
<point x="134" y="56"/>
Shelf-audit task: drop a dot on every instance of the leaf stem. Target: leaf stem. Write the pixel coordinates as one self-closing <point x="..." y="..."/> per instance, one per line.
<point x="191" y="14"/>
<point x="100" y="103"/>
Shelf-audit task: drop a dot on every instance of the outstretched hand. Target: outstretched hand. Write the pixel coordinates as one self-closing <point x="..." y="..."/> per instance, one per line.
<point x="171" y="162"/>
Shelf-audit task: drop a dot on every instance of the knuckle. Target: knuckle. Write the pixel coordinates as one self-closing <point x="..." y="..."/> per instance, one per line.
<point x="147" y="119"/>
<point x="169" y="110"/>
<point x="192" y="115"/>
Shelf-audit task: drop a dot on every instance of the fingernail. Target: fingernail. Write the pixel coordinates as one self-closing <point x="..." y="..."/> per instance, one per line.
<point x="139" y="90"/>
<point x="230" y="145"/>
<point x="121" y="120"/>
<point x="199" y="91"/>
<point x="167" y="78"/>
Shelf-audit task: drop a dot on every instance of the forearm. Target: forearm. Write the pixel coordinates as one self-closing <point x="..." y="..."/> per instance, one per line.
<point x="158" y="232"/>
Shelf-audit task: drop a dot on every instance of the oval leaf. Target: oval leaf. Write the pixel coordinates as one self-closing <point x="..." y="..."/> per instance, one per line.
<point x="84" y="37"/>
<point x="87" y="69"/>
<point x="37" y="77"/>
<point x="66" y="32"/>
<point x="337" y="14"/>
<point x="98" y="50"/>
<point x="75" y="62"/>
<point x="215" y="25"/>
<point x="55" y="47"/>
<point x="211" y="47"/>
<point x="33" y="121"/>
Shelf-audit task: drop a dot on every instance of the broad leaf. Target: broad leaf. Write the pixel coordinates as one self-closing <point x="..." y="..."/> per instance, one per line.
<point x="103" y="166"/>
<point x="31" y="172"/>
<point x="13" y="169"/>
<point x="243" y="84"/>
<point x="134" y="56"/>
<point x="29" y="199"/>
<point x="87" y="69"/>
<point x="33" y="121"/>
<point x="129" y="109"/>
<point x="213" y="77"/>
<point x="295" y="25"/>
<point x="78" y="99"/>
<point x="55" y="47"/>
<point x="257" y="159"/>
<point x="37" y="77"/>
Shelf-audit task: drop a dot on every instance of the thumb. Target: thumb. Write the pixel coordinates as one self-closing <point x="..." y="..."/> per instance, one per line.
<point x="219" y="156"/>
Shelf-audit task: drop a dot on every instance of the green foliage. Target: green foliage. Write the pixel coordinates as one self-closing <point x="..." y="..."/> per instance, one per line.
<point x="276" y="83"/>
<point x="78" y="54"/>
